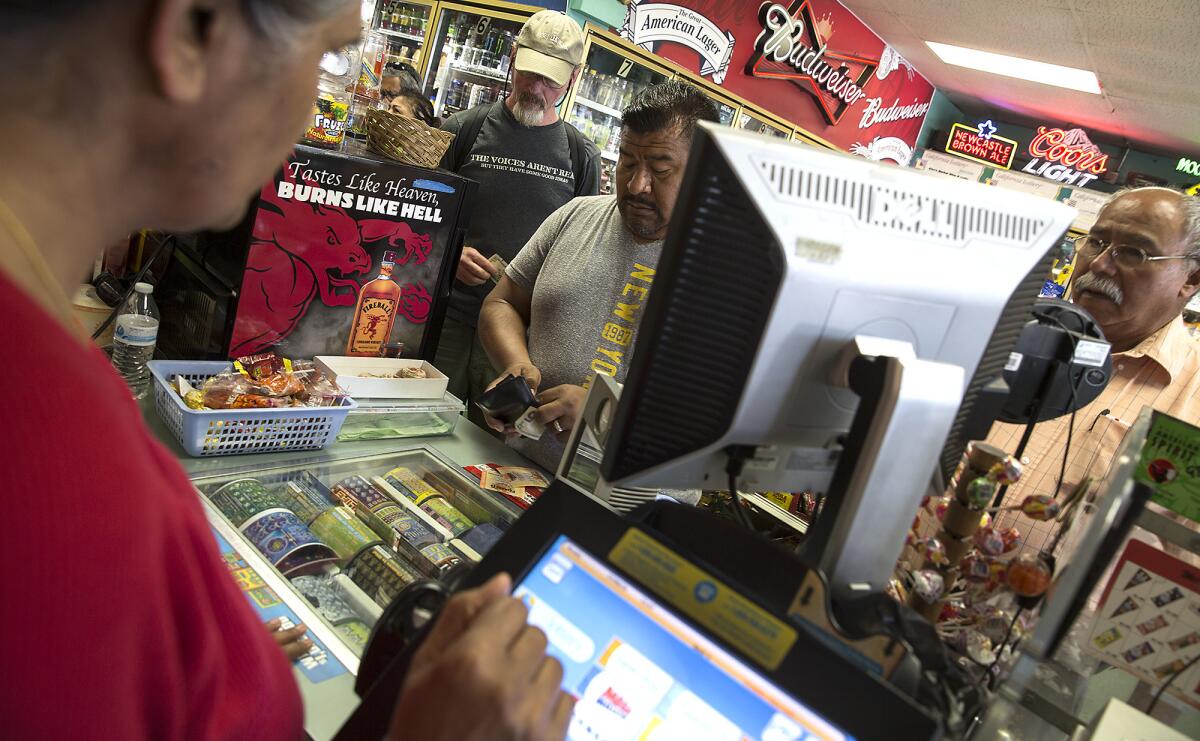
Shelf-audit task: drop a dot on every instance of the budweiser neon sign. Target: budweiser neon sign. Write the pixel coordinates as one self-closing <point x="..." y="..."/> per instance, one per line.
<point x="1067" y="157"/>
<point x="792" y="46"/>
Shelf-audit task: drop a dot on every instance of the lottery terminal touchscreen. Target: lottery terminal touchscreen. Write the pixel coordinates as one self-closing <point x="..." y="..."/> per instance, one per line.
<point x="639" y="672"/>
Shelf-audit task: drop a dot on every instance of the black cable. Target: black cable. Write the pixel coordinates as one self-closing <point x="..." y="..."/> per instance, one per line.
<point x="170" y="239"/>
<point x="1000" y="648"/>
<point x="737" y="455"/>
<point x="739" y="509"/>
<point x="1062" y="472"/>
<point x="1163" y="687"/>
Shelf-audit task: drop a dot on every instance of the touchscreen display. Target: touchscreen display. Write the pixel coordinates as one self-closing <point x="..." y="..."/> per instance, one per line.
<point x="638" y="672"/>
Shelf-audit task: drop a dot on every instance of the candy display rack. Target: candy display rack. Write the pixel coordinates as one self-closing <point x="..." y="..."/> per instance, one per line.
<point x="342" y="537"/>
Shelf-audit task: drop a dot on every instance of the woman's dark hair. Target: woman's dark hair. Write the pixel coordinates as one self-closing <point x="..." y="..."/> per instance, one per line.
<point x="667" y="105"/>
<point x="422" y="108"/>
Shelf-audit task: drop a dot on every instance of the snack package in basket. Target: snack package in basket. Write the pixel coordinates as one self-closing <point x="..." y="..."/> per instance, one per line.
<point x="235" y="391"/>
<point x="318" y="390"/>
<point x="263" y="381"/>
<point x="269" y="375"/>
<point x="262" y="366"/>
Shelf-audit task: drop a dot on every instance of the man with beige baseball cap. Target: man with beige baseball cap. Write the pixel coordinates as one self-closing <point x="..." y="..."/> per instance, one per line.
<point x="528" y="162"/>
<point x="551" y="45"/>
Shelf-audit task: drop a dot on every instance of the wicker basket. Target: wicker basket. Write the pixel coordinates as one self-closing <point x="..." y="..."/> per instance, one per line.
<point x="406" y="139"/>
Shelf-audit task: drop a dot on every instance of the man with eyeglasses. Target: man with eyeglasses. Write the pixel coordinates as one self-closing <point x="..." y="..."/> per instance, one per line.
<point x="528" y="162"/>
<point x="1135" y="270"/>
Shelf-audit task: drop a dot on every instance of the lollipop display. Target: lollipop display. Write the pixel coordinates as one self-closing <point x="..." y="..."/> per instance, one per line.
<point x="995" y="625"/>
<point x="980" y="492"/>
<point x="940" y="509"/>
<point x="1029" y="575"/>
<point x="1006" y="472"/>
<point x="977" y="646"/>
<point x="990" y="542"/>
<point x="934" y="551"/>
<point x="928" y="585"/>
<point x="1041" y="507"/>
<point x="975" y="569"/>
<point x="968" y="578"/>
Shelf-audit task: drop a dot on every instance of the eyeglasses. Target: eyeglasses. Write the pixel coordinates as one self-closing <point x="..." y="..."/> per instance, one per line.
<point x="1122" y="254"/>
<point x="546" y="81"/>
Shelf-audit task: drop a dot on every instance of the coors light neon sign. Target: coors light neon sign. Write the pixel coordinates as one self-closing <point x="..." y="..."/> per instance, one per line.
<point x="1067" y="157"/>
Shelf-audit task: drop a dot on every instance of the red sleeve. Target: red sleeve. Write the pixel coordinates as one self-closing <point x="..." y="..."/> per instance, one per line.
<point x="120" y="619"/>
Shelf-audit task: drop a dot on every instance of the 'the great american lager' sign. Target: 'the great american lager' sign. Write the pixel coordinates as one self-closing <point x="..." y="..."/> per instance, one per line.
<point x="649" y="23"/>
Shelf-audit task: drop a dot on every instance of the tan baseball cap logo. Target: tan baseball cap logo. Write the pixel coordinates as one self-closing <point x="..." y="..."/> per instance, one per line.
<point x="551" y="45"/>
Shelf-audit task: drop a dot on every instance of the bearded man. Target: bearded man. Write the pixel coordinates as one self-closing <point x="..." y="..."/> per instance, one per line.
<point x="528" y="162"/>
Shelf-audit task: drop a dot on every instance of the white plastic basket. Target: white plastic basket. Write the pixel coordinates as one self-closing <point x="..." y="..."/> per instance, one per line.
<point x="238" y="431"/>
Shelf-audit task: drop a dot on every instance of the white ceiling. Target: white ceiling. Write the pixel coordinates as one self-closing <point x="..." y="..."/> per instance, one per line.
<point x="1145" y="52"/>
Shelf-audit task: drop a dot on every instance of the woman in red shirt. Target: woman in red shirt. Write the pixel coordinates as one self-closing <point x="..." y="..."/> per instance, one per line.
<point x="119" y="619"/>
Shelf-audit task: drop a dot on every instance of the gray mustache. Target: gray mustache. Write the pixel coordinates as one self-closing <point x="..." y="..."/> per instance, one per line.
<point x="1097" y="284"/>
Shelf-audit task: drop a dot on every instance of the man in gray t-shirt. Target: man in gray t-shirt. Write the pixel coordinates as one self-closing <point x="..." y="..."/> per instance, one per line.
<point x="528" y="162"/>
<point x="569" y="305"/>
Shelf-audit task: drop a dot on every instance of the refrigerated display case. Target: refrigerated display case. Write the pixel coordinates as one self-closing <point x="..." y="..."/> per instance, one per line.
<point x="760" y="123"/>
<point x="728" y="105"/>
<point x="353" y="80"/>
<point x="613" y="72"/>
<point x="406" y="25"/>
<point x="471" y="50"/>
<point x="802" y="136"/>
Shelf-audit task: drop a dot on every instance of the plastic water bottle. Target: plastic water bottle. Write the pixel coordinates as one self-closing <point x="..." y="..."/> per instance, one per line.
<point x="134" y="338"/>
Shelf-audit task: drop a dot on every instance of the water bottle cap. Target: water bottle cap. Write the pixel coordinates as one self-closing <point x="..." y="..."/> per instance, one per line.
<point x="143" y="288"/>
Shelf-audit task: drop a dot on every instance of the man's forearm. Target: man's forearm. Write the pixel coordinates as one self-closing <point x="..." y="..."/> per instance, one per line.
<point x="502" y="333"/>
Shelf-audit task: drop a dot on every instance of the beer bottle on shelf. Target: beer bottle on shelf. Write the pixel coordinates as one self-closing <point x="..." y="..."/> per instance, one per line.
<point x="505" y="55"/>
<point x="375" y="311"/>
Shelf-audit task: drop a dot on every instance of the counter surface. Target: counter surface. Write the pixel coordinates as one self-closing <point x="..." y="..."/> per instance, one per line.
<point x="467" y="446"/>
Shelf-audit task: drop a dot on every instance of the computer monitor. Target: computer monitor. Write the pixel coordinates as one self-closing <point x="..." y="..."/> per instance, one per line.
<point x="639" y="672"/>
<point x="781" y="263"/>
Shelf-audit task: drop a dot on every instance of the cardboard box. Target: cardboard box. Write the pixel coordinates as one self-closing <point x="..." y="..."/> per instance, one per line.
<point x="348" y="372"/>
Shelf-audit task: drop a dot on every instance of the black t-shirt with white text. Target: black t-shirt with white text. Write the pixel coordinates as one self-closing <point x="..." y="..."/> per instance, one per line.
<point x="524" y="175"/>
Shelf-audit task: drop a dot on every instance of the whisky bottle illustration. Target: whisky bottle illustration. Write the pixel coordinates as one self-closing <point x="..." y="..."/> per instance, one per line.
<point x="375" y="311"/>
